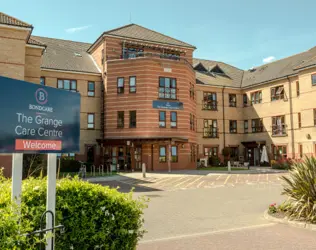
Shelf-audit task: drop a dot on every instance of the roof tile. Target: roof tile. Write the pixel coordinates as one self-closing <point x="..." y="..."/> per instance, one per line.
<point x="9" y="20"/>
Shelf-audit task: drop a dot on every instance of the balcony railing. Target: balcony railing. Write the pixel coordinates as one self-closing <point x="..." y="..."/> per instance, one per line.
<point x="134" y="55"/>
<point x="257" y="129"/>
<point x="210" y="105"/>
<point x="279" y="130"/>
<point x="210" y="133"/>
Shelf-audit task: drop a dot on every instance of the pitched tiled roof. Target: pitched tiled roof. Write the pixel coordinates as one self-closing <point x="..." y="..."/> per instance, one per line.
<point x="34" y="42"/>
<point x="66" y="55"/>
<point x="9" y="20"/>
<point x="231" y="78"/>
<point x="138" y="32"/>
<point x="279" y="69"/>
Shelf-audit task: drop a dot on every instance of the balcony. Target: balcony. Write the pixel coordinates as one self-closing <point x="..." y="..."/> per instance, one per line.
<point x="258" y="129"/>
<point x="279" y="130"/>
<point x="210" y="133"/>
<point x="135" y="55"/>
<point x="210" y="105"/>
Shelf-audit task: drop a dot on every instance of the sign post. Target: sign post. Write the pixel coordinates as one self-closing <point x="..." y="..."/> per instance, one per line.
<point x="37" y="119"/>
<point x="51" y="193"/>
<point x="17" y="164"/>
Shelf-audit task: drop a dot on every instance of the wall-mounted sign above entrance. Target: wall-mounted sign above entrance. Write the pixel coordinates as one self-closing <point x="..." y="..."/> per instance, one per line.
<point x="167" y="105"/>
<point x="38" y="119"/>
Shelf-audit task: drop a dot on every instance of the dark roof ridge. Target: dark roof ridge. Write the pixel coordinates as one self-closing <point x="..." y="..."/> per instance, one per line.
<point x="60" y="39"/>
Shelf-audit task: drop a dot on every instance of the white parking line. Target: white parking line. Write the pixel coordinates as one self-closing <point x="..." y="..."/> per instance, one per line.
<point x="258" y="177"/>
<point x="160" y="181"/>
<point x="191" y="183"/>
<point x="227" y="179"/>
<point x="230" y="230"/>
<point x="218" y="177"/>
<point x="182" y="182"/>
<point x="200" y="184"/>
<point x="237" y="178"/>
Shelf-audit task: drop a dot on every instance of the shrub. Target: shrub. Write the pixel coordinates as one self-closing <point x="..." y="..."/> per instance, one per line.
<point x="300" y="187"/>
<point x="214" y="161"/>
<point x="284" y="164"/>
<point x="272" y="208"/>
<point x="93" y="216"/>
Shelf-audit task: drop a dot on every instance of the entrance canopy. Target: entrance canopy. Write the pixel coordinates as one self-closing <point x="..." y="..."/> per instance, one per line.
<point x="253" y="144"/>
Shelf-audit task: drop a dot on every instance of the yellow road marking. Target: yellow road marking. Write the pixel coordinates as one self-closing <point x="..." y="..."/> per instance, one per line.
<point x="227" y="179"/>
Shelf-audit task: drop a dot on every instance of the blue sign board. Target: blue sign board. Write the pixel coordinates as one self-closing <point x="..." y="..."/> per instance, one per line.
<point x="38" y="119"/>
<point x="167" y="105"/>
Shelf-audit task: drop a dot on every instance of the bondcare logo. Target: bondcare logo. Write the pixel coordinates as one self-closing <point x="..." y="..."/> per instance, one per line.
<point x="41" y="96"/>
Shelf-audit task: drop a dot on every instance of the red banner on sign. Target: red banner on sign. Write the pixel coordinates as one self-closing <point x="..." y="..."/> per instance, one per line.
<point x="34" y="145"/>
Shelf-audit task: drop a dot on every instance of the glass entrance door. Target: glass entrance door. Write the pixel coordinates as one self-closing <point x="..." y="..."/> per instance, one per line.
<point x="138" y="158"/>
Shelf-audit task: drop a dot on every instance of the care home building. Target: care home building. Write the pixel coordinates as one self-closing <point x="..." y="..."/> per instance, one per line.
<point x="145" y="99"/>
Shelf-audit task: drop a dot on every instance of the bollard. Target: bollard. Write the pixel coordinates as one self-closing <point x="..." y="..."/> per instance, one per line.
<point x="144" y="170"/>
<point x="229" y="167"/>
<point x="117" y="167"/>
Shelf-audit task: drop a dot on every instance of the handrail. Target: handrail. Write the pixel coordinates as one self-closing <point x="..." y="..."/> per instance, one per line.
<point x="131" y="56"/>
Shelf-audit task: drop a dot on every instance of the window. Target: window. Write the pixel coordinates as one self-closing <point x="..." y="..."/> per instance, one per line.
<point x="162" y="154"/>
<point x="233" y="152"/>
<point x="279" y="152"/>
<point x="313" y="80"/>
<point x="245" y="126"/>
<point x="90" y="121"/>
<point x="131" y="52"/>
<point x="174" y="154"/>
<point x="210" y="129"/>
<point x="256" y="125"/>
<point x="256" y="97"/>
<point x="233" y="126"/>
<point x="132" y="119"/>
<point x="211" y="151"/>
<point x="120" y="119"/>
<point x="277" y="93"/>
<point x="299" y="120"/>
<point x="278" y="126"/>
<point x="132" y="84"/>
<point x="193" y="123"/>
<point x="167" y="88"/>
<point x="300" y="150"/>
<point x="314" y="117"/>
<point x="173" y="119"/>
<point x="91" y="88"/>
<point x="297" y="88"/>
<point x="209" y="101"/>
<point x="42" y="81"/>
<point x="245" y="100"/>
<point x="193" y="154"/>
<point x="70" y="85"/>
<point x="120" y="85"/>
<point x="232" y="100"/>
<point x="162" y="119"/>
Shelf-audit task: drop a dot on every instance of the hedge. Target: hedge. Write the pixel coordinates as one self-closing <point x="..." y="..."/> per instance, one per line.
<point x="95" y="217"/>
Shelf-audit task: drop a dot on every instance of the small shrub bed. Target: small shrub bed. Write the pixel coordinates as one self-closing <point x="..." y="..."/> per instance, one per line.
<point x="283" y="164"/>
<point x="95" y="217"/>
<point x="300" y="188"/>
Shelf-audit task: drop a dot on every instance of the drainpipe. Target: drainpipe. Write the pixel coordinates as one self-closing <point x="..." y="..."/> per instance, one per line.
<point x="291" y="117"/>
<point x="223" y="103"/>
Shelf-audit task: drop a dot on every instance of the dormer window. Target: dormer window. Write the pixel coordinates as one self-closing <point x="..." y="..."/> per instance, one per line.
<point x="200" y="68"/>
<point x="217" y="70"/>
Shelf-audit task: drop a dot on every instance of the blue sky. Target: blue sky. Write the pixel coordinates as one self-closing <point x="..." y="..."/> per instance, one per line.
<point x="242" y="33"/>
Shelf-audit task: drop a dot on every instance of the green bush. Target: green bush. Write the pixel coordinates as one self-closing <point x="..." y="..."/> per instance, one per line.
<point x="214" y="161"/>
<point x="300" y="187"/>
<point x="95" y="217"/>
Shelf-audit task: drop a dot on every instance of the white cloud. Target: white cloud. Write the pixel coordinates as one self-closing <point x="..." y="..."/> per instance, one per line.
<point x="268" y="59"/>
<point x="77" y="29"/>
